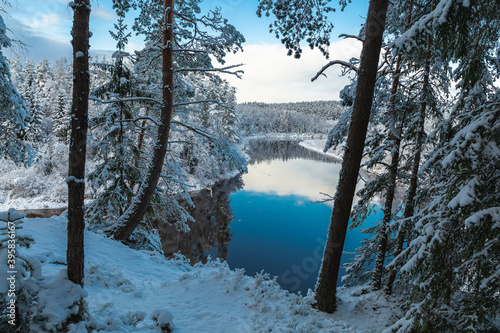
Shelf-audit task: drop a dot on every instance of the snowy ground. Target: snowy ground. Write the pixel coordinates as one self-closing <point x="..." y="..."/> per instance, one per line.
<point x="126" y="288"/>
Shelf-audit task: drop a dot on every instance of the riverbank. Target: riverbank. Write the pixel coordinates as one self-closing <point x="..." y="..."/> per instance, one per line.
<point x="127" y="289"/>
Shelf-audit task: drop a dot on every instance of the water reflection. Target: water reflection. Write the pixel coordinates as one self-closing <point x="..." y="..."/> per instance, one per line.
<point x="265" y="151"/>
<point x="264" y="220"/>
<point x="210" y="234"/>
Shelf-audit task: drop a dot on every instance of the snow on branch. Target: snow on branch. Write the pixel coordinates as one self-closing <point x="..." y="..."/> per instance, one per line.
<point x="335" y="62"/>
<point x="351" y="36"/>
<point x="194" y="129"/>
<point x="220" y="70"/>
<point x="137" y="119"/>
<point x="128" y="99"/>
<point x="327" y="198"/>
<point x="427" y="22"/>
<point x="205" y="101"/>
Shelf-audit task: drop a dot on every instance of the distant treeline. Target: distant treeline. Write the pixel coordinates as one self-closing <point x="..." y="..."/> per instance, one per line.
<point x="327" y="109"/>
<point x="300" y="117"/>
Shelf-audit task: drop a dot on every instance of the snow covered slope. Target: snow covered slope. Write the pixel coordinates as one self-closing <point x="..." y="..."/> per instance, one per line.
<point x="131" y="291"/>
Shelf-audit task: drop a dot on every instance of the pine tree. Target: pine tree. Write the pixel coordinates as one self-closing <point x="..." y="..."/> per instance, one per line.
<point x="30" y="93"/>
<point x="451" y="261"/>
<point x="14" y="115"/>
<point x="327" y="280"/>
<point x="45" y="85"/>
<point x="188" y="57"/>
<point x="116" y="175"/>
<point x="61" y="117"/>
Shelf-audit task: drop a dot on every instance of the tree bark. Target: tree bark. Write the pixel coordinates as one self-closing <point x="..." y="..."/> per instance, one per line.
<point x="392" y="170"/>
<point x="378" y="269"/>
<point x="78" y="141"/>
<point x="127" y="223"/>
<point x="412" y="189"/>
<point x="327" y="281"/>
<point x="141" y="138"/>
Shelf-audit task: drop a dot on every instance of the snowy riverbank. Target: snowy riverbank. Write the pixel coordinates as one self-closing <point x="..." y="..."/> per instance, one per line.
<point x="126" y="288"/>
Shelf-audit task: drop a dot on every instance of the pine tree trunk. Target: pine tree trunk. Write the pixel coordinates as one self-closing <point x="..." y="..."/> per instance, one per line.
<point x="412" y="189"/>
<point x="127" y="223"/>
<point x="327" y="281"/>
<point x="392" y="170"/>
<point x="78" y="141"/>
<point x="141" y="138"/>
<point x="378" y="269"/>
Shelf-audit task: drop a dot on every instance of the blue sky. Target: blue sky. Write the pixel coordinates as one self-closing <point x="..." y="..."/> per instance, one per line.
<point x="270" y="76"/>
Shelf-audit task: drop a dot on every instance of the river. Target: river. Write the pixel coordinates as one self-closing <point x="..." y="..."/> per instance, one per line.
<point x="267" y="220"/>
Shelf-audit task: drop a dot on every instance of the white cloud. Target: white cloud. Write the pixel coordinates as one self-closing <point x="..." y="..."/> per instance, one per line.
<point x="272" y="76"/>
<point x="46" y="21"/>
<point x="103" y="13"/>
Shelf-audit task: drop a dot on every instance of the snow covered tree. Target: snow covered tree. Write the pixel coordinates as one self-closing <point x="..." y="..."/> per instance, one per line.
<point x="60" y="99"/>
<point x="29" y="90"/>
<point x="116" y="174"/>
<point x="327" y="285"/>
<point x="182" y="52"/>
<point x="14" y="115"/>
<point x="451" y="261"/>
<point x="294" y="21"/>
<point x="222" y="117"/>
<point x="61" y="117"/>
<point x="45" y="84"/>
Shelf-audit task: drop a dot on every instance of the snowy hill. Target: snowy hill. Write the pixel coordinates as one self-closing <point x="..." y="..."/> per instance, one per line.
<point x="138" y="291"/>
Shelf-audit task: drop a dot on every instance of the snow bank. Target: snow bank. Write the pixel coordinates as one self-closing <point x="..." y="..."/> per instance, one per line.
<point x="141" y="291"/>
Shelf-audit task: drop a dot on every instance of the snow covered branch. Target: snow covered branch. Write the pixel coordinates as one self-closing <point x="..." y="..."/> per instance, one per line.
<point x="335" y="62"/>
<point x="219" y="70"/>
<point x="194" y="129"/>
<point x="128" y="99"/>
<point x="205" y="101"/>
<point x="351" y="36"/>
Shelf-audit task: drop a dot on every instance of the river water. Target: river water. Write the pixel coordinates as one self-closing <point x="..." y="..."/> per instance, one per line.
<point x="267" y="220"/>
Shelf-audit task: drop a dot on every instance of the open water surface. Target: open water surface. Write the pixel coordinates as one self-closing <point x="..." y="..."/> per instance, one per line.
<point x="266" y="219"/>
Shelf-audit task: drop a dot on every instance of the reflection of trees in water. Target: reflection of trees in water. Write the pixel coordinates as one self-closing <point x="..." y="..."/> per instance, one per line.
<point x="263" y="150"/>
<point x="212" y="213"/>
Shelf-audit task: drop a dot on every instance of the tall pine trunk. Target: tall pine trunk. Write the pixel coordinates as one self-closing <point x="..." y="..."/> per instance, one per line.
<point x="326" y="287"/>
<point x="412" y="189"/>
<point x="127" y="223"/>
<point x="378" y="269"/>
<point x="78" y="141"/>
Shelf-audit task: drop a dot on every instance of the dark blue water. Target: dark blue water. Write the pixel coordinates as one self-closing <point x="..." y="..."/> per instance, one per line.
<point x="264" y="220"/>
<point x="277" y="229"/>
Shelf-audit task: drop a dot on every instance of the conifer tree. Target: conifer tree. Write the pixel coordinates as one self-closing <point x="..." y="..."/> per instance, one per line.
<point x="188" y="54"/>
<point x="114" y="178"/>
<point x="294" y="27"/>
<point x="14" y="116"/>
<point x="61" y="117"/>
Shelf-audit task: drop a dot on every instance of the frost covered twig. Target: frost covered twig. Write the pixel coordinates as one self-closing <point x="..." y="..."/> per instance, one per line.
<point x="220" y="70"/>
<point x="351" y="36"/>
<point x="128" y="99"/>
<point x="335" y="62"/>
<point x="205" y="101"/>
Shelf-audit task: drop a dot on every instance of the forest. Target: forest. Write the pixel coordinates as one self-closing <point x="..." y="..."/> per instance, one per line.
<point x="126" y="146"/>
